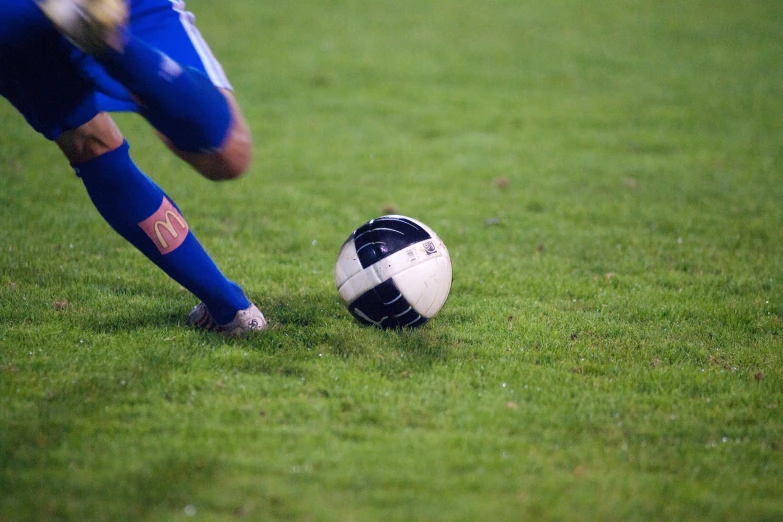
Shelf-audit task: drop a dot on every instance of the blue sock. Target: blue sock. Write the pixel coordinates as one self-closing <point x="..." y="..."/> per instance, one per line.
<point x="143" y="214"/>
<point x="179" y="101"/>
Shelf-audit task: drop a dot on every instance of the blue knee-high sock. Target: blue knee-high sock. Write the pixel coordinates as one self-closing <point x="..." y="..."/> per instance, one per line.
<point x="179" y="101"/>
<point x="143" y="214"/>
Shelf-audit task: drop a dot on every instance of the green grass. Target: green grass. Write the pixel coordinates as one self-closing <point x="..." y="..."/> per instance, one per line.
<point x="607" y="177"/>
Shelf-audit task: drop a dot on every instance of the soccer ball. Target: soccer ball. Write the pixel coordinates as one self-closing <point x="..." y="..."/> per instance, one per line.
<point x="393" y="272"/>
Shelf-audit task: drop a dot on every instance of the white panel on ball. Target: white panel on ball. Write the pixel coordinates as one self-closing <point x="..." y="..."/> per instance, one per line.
<point x="423" y="286"/>
<point x="347" y="263"/>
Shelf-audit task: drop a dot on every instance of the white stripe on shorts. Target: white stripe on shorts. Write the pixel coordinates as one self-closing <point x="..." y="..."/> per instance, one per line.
<point x="212" y="67"/>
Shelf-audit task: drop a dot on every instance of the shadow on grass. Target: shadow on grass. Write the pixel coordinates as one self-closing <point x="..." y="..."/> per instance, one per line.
<point x="302" y="328"/>
<point x="319" y="324"/>
<point x="125" y="319"/>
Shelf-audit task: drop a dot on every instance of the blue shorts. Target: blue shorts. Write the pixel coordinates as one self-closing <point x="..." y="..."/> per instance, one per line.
<point x="57" y="87"/>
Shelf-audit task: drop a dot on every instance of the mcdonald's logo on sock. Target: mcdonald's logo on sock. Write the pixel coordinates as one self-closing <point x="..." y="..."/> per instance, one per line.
<point x="166" y="227"/>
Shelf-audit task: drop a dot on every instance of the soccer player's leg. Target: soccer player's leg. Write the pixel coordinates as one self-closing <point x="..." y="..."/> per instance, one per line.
<point x="42" y="78"/>
<point x="148" y="218"/>
<point x="157" y="54"/>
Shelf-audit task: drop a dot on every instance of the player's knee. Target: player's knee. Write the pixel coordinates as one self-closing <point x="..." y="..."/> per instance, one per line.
<point x="236" y="152"/>
<point x="230" y="162"/>
<point x="223" y="169"/>
<point x="236" y="155"/>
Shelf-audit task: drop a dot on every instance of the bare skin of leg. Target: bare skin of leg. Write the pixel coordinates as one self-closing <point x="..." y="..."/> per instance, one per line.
<point x="95" y="138"/>
<point x="101" y="135"/>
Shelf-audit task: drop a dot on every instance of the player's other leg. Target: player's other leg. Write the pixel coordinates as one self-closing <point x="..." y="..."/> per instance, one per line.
<point x="149" y="219"/>
<point x="168" y="69"/>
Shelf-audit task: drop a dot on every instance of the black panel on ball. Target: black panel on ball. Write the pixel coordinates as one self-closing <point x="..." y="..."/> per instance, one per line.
<point x="384" y="236"/>
<point x="385" y="307"/>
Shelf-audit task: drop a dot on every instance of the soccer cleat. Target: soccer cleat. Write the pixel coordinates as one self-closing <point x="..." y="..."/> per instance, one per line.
<point x="244" y="321"/>
<point x="91" y="25"/>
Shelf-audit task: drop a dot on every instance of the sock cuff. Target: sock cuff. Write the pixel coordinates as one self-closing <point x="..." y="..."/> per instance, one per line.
<point x="103" y="163"/>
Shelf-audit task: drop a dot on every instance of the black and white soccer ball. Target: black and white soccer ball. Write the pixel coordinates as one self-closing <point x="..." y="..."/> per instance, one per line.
<point x="393" y="272"/>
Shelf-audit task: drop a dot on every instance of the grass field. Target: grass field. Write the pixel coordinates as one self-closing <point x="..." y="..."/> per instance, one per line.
<point x="607" y="177"/>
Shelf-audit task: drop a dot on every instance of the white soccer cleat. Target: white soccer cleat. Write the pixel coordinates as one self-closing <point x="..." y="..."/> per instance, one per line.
<point x="91" y="25"/>
<point x="245" y="321"/>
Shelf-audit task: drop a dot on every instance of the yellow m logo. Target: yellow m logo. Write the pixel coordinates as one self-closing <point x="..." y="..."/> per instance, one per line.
<point x="166" y="227"/>
<point x="166" y="223"/>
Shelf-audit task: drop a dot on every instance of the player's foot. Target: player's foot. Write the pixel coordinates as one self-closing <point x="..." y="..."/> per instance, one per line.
<point x="244" y="321"/>
<point x="93" y="26"/>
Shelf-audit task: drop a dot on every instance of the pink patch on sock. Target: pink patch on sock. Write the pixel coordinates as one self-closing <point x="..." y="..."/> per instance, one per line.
<point x="166" y="227"/>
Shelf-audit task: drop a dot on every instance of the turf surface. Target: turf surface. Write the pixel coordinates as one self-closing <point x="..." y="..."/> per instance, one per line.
<point x="606" y="176"/>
